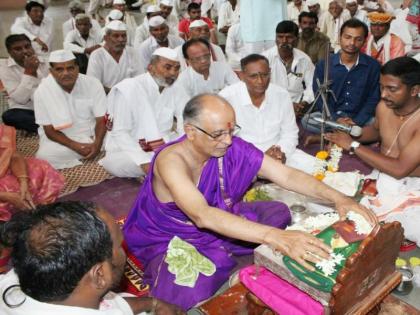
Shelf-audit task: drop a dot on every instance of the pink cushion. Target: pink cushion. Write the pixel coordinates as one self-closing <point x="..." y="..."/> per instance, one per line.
<point x="278" y="294"/>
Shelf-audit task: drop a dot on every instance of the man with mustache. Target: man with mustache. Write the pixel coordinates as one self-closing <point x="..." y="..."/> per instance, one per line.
<point x="397" y="128"/>
<point x="311" y="41"/>
<point x="202" y="74"/>
<point x="291" y="68"/>
<point x="115" y="61"/>
<point x="70" y="109"/>
<point x="21" y="75"/>
<point x="159" y="37"/>
<point x="36" y="26"/>
<point x="355" y="81"/>
<point x="142" y="112"/>
<point x="67" y="257"/>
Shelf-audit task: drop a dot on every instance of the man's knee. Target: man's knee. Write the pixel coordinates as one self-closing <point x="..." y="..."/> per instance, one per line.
<point x="120" y="165"/>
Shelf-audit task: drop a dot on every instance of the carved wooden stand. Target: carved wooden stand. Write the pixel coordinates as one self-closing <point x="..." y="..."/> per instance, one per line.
<point x="367" y="278"/>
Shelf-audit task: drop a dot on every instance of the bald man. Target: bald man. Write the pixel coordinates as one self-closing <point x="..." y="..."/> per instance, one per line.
<point x="194" y="191"/>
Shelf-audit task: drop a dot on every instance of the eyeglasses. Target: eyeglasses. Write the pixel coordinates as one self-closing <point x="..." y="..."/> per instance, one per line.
<point x="219" y="135"/>
<point x="200" y="58"/>
<point x="262" y="75"/>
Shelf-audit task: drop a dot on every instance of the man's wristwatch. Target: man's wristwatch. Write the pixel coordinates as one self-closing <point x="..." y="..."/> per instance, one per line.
<point x="353" y="146"/>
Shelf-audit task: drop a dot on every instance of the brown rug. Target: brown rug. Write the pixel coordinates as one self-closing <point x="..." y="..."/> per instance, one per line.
<point x="88" y="174"/>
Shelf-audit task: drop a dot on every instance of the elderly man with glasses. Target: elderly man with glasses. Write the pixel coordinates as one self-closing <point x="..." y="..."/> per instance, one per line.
<point x="189" y="220"/>
<point x="202" y="74"/>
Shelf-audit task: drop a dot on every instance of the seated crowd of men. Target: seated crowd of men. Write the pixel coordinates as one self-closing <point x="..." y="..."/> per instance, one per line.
<point x="164" y="99"/>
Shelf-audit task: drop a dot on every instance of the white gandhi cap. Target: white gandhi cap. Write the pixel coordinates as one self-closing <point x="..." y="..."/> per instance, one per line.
<point x="310" y="3"/>
<point x="115" y="14"/>
<point x="350" y="1"/>
<point x="61" y="55"/>
<point x="152" y="9"/>
<point x="167" y="53"/>
<point x="197" y="23"/>
<point x="156" y="21"/>
<point x="118" y="2"/>
<point x="116" y="26"/>
<point x="168" y="3"/>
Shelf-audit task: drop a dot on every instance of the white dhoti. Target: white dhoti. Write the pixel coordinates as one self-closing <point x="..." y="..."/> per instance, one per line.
<point x="120" y="164"/>
<point x="397" y="200"/>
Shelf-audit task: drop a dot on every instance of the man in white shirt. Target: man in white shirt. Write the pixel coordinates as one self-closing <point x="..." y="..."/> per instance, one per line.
<point x="314" y="7"/>
<point x="228" y="15"/>
<point x="142" y="31"/>
<point x="235" y="47"/>
<point x="291" y="68"/>
<point x="294" y="8"/>
<point x="128" y="19"/>
<point x="203" y="75"/>
<point x="76" y="7"/>
<point x="200" y="29"/>
<point x="141" y="112"/>
<point x="70" y="109"/>
<point x="331" y="22"/>
<point x="115" y="61"/>
<point x="264" y="111"/>
<point x="83" y="41"/>
<point x="56" y="271"/>
<point x="21" y="75"/>
<point x="355" y="12"/>
<point x="36" y="26"/>
<point x="159" y="37"/>
<point x="172" y="21"/>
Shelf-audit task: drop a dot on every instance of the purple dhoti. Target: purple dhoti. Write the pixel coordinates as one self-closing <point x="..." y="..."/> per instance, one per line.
<point x="151" y="224"/>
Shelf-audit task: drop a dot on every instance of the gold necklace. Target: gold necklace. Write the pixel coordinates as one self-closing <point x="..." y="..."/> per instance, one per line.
<point x="403" y="116"/>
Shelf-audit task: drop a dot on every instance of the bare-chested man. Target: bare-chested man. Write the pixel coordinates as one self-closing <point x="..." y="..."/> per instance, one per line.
<point x="194" y="191"/>
<point x="397" y="123"/>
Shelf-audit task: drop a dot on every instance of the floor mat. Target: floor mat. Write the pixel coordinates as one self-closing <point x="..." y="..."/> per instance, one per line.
<point x="88" y="174"/>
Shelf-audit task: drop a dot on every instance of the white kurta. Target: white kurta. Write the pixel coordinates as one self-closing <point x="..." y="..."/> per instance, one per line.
<point x="20" y="87"/>
<point x="70" y="25"/>
<point x="331" y="27"/>
<point x="107" y="70"/>
<point x="273" y="123"/>
<point x="299" y="81"/>
<point x="86" y="101"/>
<point x="220" y="76"/>
<point x="77" y="44"/>
<point x="24" y="25"/>
<point x="130" y="21"/>
<point x="147" y="48"/>
<point x="235" y="47"/>
<point x="293" y="11"/>
<point x="139" y="111"/>
<point x="217" y="51"/>
<point x="228" y="16"/>
<point x="112" y="304"/>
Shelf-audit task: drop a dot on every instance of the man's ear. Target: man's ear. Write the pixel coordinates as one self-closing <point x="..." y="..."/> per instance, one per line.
<point x="97" y="275"/>
<point x="415" y="90"/>
<point x="189" y="131"/>
<point x="150" y="68"/>
<point x="241" y="75"/>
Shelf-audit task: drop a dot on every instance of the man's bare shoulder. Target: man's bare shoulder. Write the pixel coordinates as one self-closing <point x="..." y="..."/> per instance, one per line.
<point x="173" y="155"/>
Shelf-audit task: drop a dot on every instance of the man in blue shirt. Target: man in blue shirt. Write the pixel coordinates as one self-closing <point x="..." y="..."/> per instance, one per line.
<point x="355" y="81"/>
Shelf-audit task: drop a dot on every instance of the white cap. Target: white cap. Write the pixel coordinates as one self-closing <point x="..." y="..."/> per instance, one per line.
<point x="156" y="21"/>
<point x="167" y="53"/>
<point x="115" y="15"/>
<point x="168" y="3"/>
<point x="118" y="2"/>
<point x="350" y="1"/>
<point x="310" y="3"/>
<point x="61" y="56"/>
<point x="116" y="25"/>
<point x="76" y="4"/>
<point x="81" y="16"/>
<point x="152" y="9"/>
<point x="197" y="23"/>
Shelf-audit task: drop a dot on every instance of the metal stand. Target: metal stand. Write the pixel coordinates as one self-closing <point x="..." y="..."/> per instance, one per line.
<point x="323" y="91"/>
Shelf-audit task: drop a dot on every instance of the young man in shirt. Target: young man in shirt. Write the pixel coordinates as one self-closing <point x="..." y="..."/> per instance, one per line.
<point x="21" y="75"/>
<point x="355" y="81"/>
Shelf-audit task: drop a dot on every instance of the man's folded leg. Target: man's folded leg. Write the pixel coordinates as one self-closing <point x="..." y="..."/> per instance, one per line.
<point x="120" y="164"/>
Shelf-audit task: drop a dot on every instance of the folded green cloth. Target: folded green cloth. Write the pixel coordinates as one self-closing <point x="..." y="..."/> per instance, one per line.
<point x="185" y="262"/>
